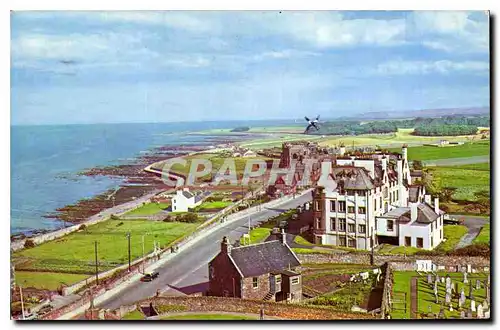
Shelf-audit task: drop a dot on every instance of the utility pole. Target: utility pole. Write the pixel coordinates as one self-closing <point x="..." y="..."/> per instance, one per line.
<point x="143" y="254"/>
<point x="22" y="302"/>
<point x="128" y="237"/>
<point x="96" y="264"/>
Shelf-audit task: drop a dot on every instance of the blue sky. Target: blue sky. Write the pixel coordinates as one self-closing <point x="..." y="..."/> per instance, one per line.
<point x="99" y="67"/>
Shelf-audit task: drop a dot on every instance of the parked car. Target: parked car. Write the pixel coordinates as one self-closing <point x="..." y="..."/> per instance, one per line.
<point x="45" y="309"/>
<point x="150" y="276"/>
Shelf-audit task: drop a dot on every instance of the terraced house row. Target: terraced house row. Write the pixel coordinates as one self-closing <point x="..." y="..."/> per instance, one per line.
<point x="366" y="199"/>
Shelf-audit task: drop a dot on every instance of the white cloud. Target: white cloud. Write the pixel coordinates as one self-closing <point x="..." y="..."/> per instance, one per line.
<point x="400" y="67"/>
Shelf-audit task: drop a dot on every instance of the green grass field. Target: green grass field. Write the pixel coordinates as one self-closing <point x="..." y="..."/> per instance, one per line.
<point x="213" y="205"/>
<point x="484" y="235"/>
<point x="46" y="280"/>
<point x="134" y="315"/>
<point x="75" y="252"/>
<point x="468" y="179"/>
<point x="148" y="209"/>
<point x="424" y="153"/>
<point x="258" y="235"/>
<point x="195" y="316"/>
<point x="402" y="283"/>
<point x="453" y="234"/>
<point x="302" y="241"/>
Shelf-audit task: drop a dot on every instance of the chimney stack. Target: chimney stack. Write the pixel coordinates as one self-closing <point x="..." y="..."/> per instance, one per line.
<point x="283" y="236"/>
<point x="225" y="247"/>
<point x="342" y="151"/>
<point x="413" y="211"/>
<point x="427" y="199"/>
<point x="436" y="205"/>
<point x="404" y="151"/>
<point x="384" y="163"/>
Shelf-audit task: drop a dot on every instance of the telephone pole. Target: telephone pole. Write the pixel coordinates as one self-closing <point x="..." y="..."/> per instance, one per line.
<point x="96" y="264"/>
<point x="143" y="254"/>
<point x="128" y="236"/>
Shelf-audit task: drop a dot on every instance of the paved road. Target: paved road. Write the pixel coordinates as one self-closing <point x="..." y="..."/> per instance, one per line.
<point x="190" y="266"/>
<point x="474" y="224"/>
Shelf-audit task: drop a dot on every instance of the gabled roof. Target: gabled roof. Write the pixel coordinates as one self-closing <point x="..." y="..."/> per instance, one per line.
<point x="354" y="178"/>
<point x="187" y="194"/>
<point x="426" y="213"/>
<point x="263" y="258"/>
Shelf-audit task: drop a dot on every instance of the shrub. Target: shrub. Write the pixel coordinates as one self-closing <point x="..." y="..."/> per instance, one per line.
<point x="82" y="227"/>
<point x="29" y="243"/>
<point x="473" y="250"/>
<point x="119" y="224"/>
<point x="168" y="218"/>
<point x="114" y="217"/>
<point x="187" y="217"/>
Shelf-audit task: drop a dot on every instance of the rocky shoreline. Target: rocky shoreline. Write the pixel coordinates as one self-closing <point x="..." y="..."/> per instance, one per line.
<point x="136" y="183"/>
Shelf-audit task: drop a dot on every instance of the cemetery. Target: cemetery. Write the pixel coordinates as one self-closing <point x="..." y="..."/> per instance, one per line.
<point x="440" y="293"/>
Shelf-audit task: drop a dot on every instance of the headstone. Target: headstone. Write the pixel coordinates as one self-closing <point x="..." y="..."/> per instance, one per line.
<point x="441" y="313"/>
<point x="429" y="279"/>
<point x="478" y="284"/>
<point x="487" y="286"/>
<point x="448" y="281"/>
<point x="437" y="277"/>
<point x="447" y="298"/>
<point x="469" y="268"/>
<point x="458" y="268"/>
<point x="436" y="296"/>
<point x="487" y="314"/>
<point x="488" y="279"/>
<point x="461" y="301"/>
<point x="469" y="313"/>
<point x="480" y="313"/>
<point x="465" y="278"/>
<point x="462" y="314"/>
<point x="435" y="286"/>
<point x="451" y="307"/>
<point x="442" y="280"/>
<point x="473" y="305"/>
<point x="485" y="305"/>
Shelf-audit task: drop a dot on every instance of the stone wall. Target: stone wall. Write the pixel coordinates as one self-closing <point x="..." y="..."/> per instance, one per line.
<point x="281" y="310"/>
<point x="385" y="307"/>
<point x="364" y="258"/>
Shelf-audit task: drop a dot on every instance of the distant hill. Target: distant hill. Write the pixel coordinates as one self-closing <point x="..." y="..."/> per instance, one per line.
<point x="427" y="113"/>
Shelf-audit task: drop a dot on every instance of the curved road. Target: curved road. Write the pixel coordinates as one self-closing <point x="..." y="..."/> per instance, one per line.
<point x="190" y="266"/>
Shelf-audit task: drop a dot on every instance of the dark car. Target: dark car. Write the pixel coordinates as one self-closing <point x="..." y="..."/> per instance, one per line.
<point x="150" y="276"/>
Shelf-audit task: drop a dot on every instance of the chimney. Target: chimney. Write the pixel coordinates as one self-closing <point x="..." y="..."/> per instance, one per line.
<point x="436" y="205"/>
<point x="384" y="163"/>
<point x="283" y="236"/>
<point x="400" y="171"/>
<point x="404" y="151"/>
<point x="342" y="151"/>
<point x="225" y="247"/>
<point x="414" y="211"/>
<point x="427" y="199"/>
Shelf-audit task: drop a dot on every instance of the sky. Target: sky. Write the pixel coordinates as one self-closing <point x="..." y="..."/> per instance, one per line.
<point x="150" y="66"/>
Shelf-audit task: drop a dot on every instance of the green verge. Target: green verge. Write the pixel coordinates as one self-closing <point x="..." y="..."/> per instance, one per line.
<point x="312" y="251"/>
<point x="453" y="234"/>
<point x="46" y="280"/>
<point x="134" y="315"/>
<point x="258" y="235"/>
<point x="484" y="235"/>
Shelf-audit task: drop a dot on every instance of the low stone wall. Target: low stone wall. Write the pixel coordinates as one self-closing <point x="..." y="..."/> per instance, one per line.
<point x="378" y="260"/>
<point x="385" y="307"/>
<point x="236" y="305"/>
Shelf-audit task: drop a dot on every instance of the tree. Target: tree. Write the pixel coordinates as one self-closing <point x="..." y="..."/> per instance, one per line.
<point x="29" y="243"/>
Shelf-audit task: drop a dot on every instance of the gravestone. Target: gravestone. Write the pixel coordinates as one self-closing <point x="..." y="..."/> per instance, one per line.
<point x="473" y="305"/>
<point x="451" y="307"/>
<point x="469" y="268"/>
<point x="478" y="284"/>
<point x="429" y="279"/>
<point x="437" y="278"/>
<point x="435" y="286"/>
<point x="465" y="278"/>
<point x="442" y="280"/>
<point x="441" y="313"/>
<point x="462" y="314"/>
<point x="461" y="300"/>
<point x="447" y="298"/>
<point x="485" y="305"/>
<point x="487" y="314"/>
<point x="448" y="281"/>
<point x="469" y="313"/>
<point x="480" y="313"/>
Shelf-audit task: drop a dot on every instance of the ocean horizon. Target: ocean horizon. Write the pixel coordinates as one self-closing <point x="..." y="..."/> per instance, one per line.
<point x="46" y="160"/>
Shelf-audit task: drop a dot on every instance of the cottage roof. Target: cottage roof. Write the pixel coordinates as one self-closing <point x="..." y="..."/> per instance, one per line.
<point x="263" y="258"/>
<point x="354" y="178"/>
<point x="187" y="194"/>
<point x="425" y="214"/>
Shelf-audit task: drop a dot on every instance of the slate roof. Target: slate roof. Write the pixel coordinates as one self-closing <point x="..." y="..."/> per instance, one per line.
<point x="413" y="194"/>
<point x="263" y="258"/>
<point x="353" y="178"/>
<point x="187" y="194"/>
<point x="425" y="214"/>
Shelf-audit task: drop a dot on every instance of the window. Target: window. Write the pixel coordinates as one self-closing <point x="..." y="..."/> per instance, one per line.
<point x="390" y="225"/>
<point x="432" y="241"/>
<point x="255" y="282"/>
<point x="332" y="224"/>
<point x="407" y="241"/>
<point x="352" y="243"/>
<point x="420" y="242"/>
<point x="342" y="241"/>
<point x="332" y="206"/>
<point x="350" y="192"/>
<point x="362" y="229"/>
<point x="317" y="206"/>
<point x="386" y="192"/>
<point x="318" y="223"/>
<point x="351" y="227"/>
<point x="350" y="209"/>
<point x="278" y="278"/>
<point x="397" y="195"/>
<point x="362" y="210"/>
<point x="375" y="207"/>
<point x="380" y="202"/>
<point x="341" y="224"/>
<point x="295" y="281"/>
<point x="342" y="206"/>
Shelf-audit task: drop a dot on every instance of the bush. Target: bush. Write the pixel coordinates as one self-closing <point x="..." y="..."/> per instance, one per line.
<point x="120" y="224"/>
<point x="29" y="243"/>
<point x="187" y="217"/>
<point x="168" y="218"/>
<point x="82" y="227"/>
<point x="473" y="250"/>
<point x="114" y="217"/>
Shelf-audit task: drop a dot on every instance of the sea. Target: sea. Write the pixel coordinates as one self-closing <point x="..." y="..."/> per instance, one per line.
<point x="46" y="159"/>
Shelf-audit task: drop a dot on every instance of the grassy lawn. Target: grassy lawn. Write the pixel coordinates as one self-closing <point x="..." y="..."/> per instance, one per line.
<point x="134" y="315"/>
<point x="402" y="283"/>
<point x="468" y="179"/>
<point x="213" y="205"/>
<point x="258" y="235"/>
<point x="484" y="235"/>
<point x="46" y="280"/>
<point x="75" y="252"/>
<point x="423" y="153"/>
<point x="195" y="316"/>
<point x="307" y="251"/>
<point x="302" y="241"/>
<point x="453" y="234"/>
<point x="392" y="249"/>
<point x="148" y="209"/>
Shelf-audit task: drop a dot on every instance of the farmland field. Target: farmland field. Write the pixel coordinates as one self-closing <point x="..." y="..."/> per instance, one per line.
<point x="424" y="153"/>
<point x="468" y="179"/>
<point x="74" y="253"/>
